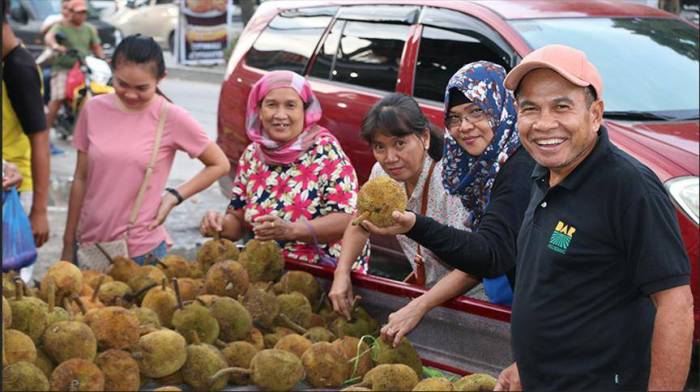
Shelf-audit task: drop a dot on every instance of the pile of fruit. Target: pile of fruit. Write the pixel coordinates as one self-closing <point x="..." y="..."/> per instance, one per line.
<point x="230" y="318"/>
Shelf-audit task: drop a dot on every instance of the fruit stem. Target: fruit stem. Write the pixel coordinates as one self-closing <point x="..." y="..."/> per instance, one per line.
<point x="226" y="371"/>
<point x="19" y="288"/>
<point x="176" y="286"/>
<point x="291" y="324"/>
<point x="97" y="289"/>
<point x="52" y="294"/>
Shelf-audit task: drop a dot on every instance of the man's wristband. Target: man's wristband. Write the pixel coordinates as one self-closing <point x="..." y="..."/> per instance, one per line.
<point x="175" y="193"/>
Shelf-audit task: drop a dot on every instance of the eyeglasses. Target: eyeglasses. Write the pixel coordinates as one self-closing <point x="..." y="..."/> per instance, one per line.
<point x="473" y="116"/>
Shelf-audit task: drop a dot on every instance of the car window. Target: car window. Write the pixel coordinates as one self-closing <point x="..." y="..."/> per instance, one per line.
<point x="362" y="53"/>
<point x="164" y="2"/>
<point x="648" y="65"/>
<point x="449" y="41"/>
<point x="287" y="43"/>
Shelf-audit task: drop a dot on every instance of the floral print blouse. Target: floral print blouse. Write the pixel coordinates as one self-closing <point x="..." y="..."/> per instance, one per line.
<point x="320" y="182"/>
<point x="443" y="207"/>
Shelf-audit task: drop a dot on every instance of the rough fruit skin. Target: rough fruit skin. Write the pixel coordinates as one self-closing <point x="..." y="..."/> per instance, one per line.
<point x="379" y="197"/>
<point x="348" y="346"/>
<point x="476" y="382"/>
<point x="67" y="277"/>
<point x="294" y="343"/>
<point x="44" y="362"/>
<point x="77" y="375"/>
<point x="263" y="260"/>
<point x="300" y="281"/>
<point x="405" y="353"/>
<point x="114" y="327"/>
<point x="262" y="306"/>
<point x="391" y="377"/>
<point x="434" y="384"/>
<point x="325" y="365"/>
<point x="120" y="370"/>
<point x="203" y="361"/>
<point x="6" y="314"/>
<point x="18" y="347"/>
<point x="233" y="318"/>
<point x="163" y="302"/>
<point x="227" y="278"/>
<point x="163" y="352"/>
<point x="214" y="251"/>
<point x="175" y="266"/>
<point x="29" y="316"/>
<point x="196" y="318"/>
<point x="23" y="376"/>
<point x="276" y="370"/>
<point x="296" y="307"/>
<point x="239" y="354"/>
<point x="65" y="340"/>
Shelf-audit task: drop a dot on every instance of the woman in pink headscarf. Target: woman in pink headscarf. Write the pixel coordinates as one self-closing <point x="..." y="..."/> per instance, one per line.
<point x="294" y="183"/>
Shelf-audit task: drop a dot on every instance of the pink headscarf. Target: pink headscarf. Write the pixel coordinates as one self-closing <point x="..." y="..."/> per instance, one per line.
<point x="270" y="151"/>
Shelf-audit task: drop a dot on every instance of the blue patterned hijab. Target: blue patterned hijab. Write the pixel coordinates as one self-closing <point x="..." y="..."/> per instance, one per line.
<point x="470" y="177"/>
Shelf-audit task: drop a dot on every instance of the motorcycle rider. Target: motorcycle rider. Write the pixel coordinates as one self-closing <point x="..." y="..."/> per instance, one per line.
<point x="81" y="36"/>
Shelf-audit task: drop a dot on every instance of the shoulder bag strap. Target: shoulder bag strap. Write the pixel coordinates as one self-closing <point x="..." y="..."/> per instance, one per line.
<point x="420" y="267"/>
<point x="149" y="168"/>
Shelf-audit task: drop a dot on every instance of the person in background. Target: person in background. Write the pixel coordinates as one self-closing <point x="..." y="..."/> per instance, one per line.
<point x="114" y="137"/>
<point x="81" y="36"/>
<point x="25" y="136"/>
<point x="294" y="183"/>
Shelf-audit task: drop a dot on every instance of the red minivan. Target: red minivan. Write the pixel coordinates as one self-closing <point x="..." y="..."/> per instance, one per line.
<point x="355" y="52"/>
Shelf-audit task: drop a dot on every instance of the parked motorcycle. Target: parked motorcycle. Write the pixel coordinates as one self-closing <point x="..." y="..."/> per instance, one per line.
<point x="89" y="76"/>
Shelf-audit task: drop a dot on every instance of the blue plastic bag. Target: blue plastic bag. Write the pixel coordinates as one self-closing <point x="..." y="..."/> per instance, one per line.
<point x="18" y="247"/>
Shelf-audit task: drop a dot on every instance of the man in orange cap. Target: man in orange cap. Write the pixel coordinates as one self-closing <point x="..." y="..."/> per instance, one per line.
<point x="81" y="36"/>
<point x="603" y="300"/>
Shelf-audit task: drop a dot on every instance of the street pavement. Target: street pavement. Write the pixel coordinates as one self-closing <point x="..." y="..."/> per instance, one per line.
<point x="200" y="98"/>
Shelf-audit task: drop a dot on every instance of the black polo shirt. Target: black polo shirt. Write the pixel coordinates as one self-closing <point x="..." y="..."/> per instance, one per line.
<point x="590" y="252"/>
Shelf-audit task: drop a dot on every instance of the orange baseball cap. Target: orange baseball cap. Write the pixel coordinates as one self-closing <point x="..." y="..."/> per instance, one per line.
<point x="568" y="62"/>
<point x="78" y="5"/>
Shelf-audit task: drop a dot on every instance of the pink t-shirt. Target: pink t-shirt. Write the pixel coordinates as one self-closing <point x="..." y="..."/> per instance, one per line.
<point x="119" y="143"/>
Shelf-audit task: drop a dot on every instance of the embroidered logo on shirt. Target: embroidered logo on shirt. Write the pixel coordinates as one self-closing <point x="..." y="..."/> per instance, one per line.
<point x="561" y="237"/>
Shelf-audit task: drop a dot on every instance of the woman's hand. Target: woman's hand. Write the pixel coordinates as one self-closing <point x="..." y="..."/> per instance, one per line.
<point x="167" y="203"/>
<point x="340" y="294"/>
<point x="404" y="223"/>
<point x="272" y="227"/>
<point x="212" y="222"/>
<point x="402" y="322"/>
<point x="10" y="176"/>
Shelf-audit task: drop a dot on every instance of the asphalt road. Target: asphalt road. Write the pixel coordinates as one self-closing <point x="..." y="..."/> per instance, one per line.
<point x="201" y="100"/>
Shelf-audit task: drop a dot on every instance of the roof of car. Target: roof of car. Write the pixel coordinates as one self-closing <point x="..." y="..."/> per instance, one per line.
<point x="508" y="9"/>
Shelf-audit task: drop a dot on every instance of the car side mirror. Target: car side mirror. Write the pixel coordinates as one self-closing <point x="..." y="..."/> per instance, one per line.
<point x="19" y="14"/>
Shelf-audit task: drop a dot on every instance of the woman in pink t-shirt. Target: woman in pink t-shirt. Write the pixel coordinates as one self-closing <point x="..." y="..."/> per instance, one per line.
<point x="115" y="136"/>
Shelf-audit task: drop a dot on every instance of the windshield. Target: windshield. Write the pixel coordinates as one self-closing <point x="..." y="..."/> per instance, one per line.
<point x="647" y="65"/>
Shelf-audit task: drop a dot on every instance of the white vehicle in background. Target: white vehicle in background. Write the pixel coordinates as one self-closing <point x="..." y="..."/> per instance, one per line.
<point x="156" y="18"/>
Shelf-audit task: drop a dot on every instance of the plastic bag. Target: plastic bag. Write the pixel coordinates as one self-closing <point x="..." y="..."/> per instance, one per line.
<point x="18" y="247"/>
<point x="74" y="81"/>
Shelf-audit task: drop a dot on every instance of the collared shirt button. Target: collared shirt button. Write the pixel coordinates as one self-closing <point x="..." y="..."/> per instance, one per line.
<point x="544" y="204"/>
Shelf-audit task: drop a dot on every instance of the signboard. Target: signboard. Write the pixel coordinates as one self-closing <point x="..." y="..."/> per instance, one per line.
<point x="202" y="31"/>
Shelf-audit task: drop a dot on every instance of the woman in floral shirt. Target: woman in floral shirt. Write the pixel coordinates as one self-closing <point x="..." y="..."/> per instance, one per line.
<point x="294" y="183"/>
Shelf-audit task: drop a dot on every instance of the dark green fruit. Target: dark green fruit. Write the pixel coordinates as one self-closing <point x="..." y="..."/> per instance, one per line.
<point x="233" y="318"/>
<point x="263" y="260"/>
<point x="319" y="334"/>
<point x="28" y="314"/>
<point x="384" y="353"/>
<point x="296" y="307"/>
<point x="239" y="354"/>
<point x="195" y="318"/>
<point x="300" y="281"/>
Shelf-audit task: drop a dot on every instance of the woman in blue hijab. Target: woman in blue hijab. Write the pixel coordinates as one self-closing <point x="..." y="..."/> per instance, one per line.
<point x="486" y="168"/>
